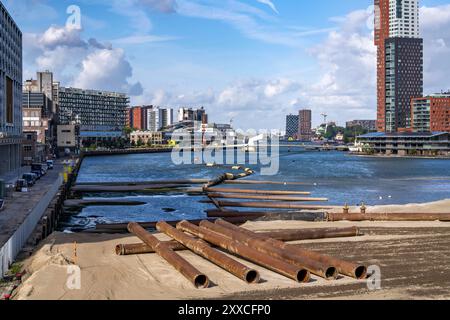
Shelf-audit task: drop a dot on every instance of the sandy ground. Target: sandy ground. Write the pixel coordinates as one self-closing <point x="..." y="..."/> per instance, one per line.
<point x="442" y="206"/>
<point x="413" y="257"/>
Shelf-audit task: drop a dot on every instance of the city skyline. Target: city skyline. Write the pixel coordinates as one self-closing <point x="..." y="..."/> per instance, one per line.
<point x="272" y="62"/>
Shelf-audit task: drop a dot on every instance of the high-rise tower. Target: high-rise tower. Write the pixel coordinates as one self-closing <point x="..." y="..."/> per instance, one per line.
<point x="399" y="62"/>
<point x="381" y="34"/>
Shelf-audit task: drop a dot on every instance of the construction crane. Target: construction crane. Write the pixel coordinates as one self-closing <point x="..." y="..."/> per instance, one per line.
<point x="324" y="115"/>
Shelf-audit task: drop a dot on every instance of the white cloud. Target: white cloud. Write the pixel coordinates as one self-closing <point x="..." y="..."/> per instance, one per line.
<point x="30" y="10"/>
<point x="55" y="37"/>
<point x="76" y="62"/>
<point x="161" y="5"/>
<point x="141" y="39"/>
<point x="270" y="4"/>
<point x="104" y="69"/>
<point x="435" y="23"/>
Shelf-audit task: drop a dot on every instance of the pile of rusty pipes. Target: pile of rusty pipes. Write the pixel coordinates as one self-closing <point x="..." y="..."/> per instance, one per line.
<point x="269" y="252"/>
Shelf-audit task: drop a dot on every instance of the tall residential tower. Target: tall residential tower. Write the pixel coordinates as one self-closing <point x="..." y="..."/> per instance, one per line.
<point x="399" y="62"/>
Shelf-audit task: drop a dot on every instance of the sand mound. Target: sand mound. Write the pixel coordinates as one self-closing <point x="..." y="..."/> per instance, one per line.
<point x="104" y="275"/>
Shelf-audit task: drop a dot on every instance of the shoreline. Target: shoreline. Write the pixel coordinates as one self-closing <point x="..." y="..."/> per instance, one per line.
<point x="395" y="156"/>
<point x="108" y="276"/>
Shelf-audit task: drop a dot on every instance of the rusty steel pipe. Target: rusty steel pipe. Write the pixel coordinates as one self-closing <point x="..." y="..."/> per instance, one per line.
<point x="384" y="216"/>
<point x="318" y="268"/>
<point x="272" y="205"/>
<point x="279" y="266"/>
<point x="344" y="267"/>
<point x="197" y="278"/>
<point x="282" y="235"/>
<point x="251" y="191"/>
<point x="201" y="248"/>
<point x="119" y="227"/>
<point x="232" y="214"/>
<point x="310" y="234"/>
<point x="288" y="183"/>
<point x="261" y="197"/>
<point x="267" y="215"/>
<point x="140" y="248"/>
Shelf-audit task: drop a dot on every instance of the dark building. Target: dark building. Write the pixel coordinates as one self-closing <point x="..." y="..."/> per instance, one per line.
<point x="304" y="125"/>
<point x="32" y="150"/>
<point x="10" y="93"/>
<point x="200" y="115"/>
<point x="96" y="111"/>
<point x="292" y="126"/>
<point x="37" y="100"/>
<point x="404" y="80"/>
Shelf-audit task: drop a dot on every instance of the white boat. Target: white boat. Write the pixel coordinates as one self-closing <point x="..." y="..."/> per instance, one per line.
<point x="357" y="147"/>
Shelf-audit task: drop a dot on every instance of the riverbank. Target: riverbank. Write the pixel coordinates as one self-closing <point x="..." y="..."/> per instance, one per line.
<point x="396" y="156"/>
<point x="412" y="256"/>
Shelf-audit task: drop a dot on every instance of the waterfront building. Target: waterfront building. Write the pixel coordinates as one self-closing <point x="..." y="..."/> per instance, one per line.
<point x="135" y="118"/>
<point x="406" y="143"/>
<point x="305" y="125"/>
<point x="185" y="114"/>
<point x="166" y="117"/>
<point x="149" y="118"/>
<point x="97" y="111"/>
<point x="157" y="118"/>
<point x="431" y="113"/>
<point x="189" y="114"/>
<point x="404" y="80"/>
<point x="146" y="137"/>
<point x="224" y="129"/>
<point x="10" y="93"/>
<point x="404" y="18"/>
<point x="369" y="125"/>
<point x="399" y="62"/>
<point x="292" y="126"/>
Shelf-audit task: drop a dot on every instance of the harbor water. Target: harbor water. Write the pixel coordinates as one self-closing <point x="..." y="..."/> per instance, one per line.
<point x="338" y="176"/>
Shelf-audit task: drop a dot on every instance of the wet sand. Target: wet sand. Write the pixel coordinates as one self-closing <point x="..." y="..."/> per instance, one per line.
<point x="413" y="257"/>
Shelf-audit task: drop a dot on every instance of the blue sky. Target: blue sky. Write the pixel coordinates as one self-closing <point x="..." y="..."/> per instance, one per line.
<point x="253" y="61"/>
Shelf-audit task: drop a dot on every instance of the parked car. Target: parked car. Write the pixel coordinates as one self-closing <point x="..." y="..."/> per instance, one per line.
<point x="29" y="178"/>
<point x="36" y="177"/>
<point x="38" y="168"/>
<point x="50" y="164"/>
<point x="20" y="184"/>
<point x="38" y="173"/>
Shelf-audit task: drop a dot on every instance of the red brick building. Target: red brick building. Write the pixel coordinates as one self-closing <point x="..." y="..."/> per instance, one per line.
<point x="135" y="118"/>
<point x="381" y="34"/>
<point x="304" y="125"/>
<point x="431" y="113"/>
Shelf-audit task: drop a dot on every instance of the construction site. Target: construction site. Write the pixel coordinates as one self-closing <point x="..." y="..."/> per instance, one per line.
<point x="288" y="249"/>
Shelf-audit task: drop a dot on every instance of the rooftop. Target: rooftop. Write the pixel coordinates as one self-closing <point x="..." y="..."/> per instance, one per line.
<point x="93" y="92"/>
